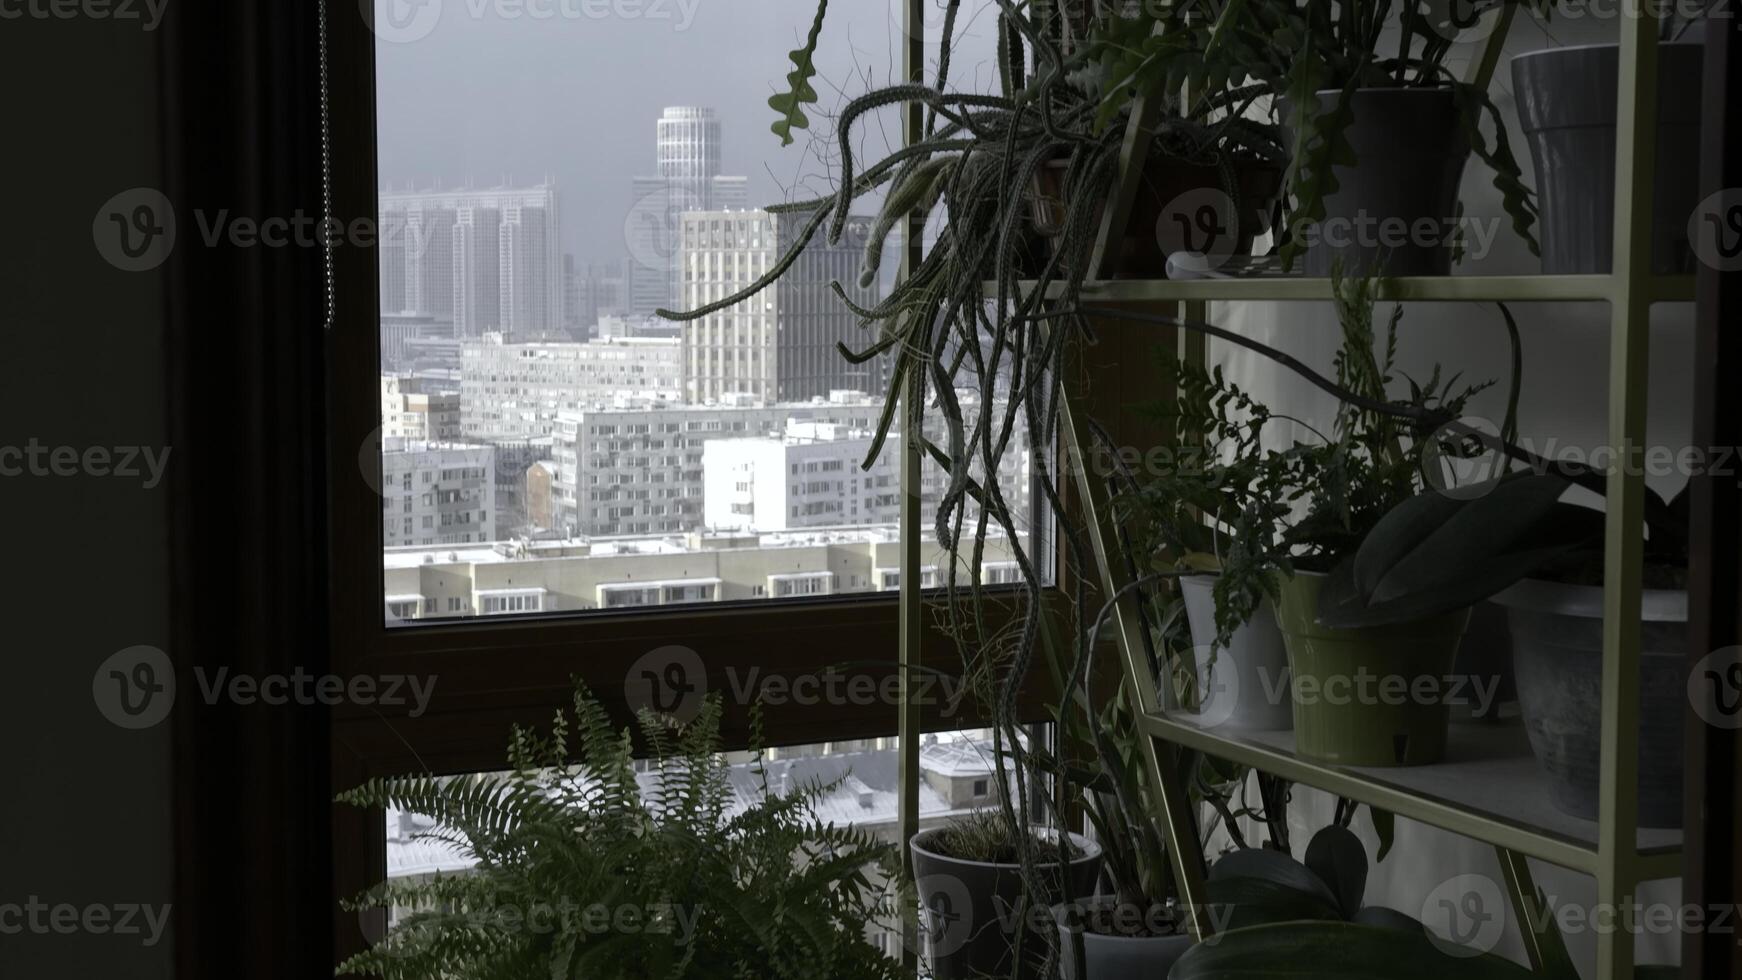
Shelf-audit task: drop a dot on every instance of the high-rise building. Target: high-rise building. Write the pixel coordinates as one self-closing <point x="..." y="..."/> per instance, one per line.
<point x="487" y="260"/>
<point x="779" y="345"/>
<point x="687" y="178"/>
<point x="513" y="392"/>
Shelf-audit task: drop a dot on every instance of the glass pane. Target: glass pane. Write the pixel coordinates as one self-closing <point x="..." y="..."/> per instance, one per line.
<point x="553" y="174"/>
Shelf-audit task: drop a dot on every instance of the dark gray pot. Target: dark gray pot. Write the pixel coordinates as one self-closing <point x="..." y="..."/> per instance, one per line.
<point x="1566" y="105"/>
<point x="1409" y="158"/>
<point x="970" y="910"/>
<point x="1115" y="957"/>
<point x="1557" y="649"/>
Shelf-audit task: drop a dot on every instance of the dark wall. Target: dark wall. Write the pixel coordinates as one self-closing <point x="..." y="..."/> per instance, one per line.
<point x="86" y="814"/>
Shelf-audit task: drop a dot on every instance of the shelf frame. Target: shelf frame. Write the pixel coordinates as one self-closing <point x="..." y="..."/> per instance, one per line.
<point x="1630" y="289"/>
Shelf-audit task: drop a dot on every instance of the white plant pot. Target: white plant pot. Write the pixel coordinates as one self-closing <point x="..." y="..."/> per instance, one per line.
<point x="1248" y="680"/>
<point x="1116" y="957"/>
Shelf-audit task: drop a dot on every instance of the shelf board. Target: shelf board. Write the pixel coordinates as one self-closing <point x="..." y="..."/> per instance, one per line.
<point x="1489" y="788"/>
<point x="1520" y="289"/>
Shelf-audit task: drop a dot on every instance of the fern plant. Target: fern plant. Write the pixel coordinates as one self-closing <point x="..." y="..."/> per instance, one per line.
<point x="1265" y="513"/>
<point x="581" y="872"/>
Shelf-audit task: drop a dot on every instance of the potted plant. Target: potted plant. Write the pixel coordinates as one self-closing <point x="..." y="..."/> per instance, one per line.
<point x="1373" y="695"/>
<point x="583" y="872"/>
<point x="1541" y="558"/>
<point x="978" y="900"/>
<point x="1567" y="106"/>
<point x="1377" y="139"/>
<point x="1181" y="516"/>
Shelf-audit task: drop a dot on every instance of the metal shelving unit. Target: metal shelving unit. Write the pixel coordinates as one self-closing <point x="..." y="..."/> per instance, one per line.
<point x="1489" y="789"/>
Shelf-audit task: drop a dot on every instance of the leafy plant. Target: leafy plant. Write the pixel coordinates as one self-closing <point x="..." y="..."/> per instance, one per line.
<point x="1266" y="513"/>
<point x="584" y="873"/>
<point x="1232" y="52"/>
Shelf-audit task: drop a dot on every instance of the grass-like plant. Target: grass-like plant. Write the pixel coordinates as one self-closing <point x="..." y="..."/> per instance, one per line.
<point x="582" y="871"/>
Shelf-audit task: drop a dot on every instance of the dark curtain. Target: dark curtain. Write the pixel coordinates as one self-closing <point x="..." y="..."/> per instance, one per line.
<point x="242" y="98"/>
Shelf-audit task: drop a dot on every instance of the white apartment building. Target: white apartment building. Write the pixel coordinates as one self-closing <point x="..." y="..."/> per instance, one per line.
<point x="810" y="476"/>
<point x="780" y="345"/>
<point x="485" y="260"/>
<point x="639" y="469"/>
<point x="581" y="574"/>
<point x="418" y="410"/>
<point x="514" y="392"/>
<point x="437" y="493"/>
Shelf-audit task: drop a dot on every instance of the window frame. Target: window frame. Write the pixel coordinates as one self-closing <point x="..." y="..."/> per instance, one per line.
<point x="478" y="692"/>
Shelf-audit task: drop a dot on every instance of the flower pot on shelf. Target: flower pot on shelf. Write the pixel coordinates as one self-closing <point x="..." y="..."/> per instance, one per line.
<point x="1248" y="680"/>
<point x="1179" y="206"/>
<point x="970" y="909"/>
<point x="1109" y="955"/>
<point x="1567" y="107"/>
<point x="1394" y="211"/>
<point x="1374" y="696"/>
<point x="1557" y="646"/>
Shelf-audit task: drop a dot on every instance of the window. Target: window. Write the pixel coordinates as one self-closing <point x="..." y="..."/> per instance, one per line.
<point x="537" y="260"/>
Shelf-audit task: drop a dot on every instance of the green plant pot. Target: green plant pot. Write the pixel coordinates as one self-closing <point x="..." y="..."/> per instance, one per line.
<point x="1375" y="696"/>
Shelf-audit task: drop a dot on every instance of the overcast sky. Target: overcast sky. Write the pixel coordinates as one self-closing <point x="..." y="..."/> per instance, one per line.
<point x="492" y="93"/>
